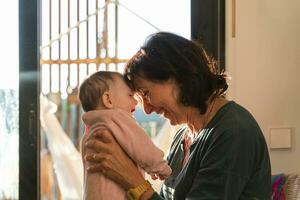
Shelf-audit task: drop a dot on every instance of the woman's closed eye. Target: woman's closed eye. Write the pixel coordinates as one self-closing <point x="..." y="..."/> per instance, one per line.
<point x="144" y="94"/>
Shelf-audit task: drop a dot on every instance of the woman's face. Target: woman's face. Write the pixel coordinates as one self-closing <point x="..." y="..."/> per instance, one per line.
<point x="160" y="98"/>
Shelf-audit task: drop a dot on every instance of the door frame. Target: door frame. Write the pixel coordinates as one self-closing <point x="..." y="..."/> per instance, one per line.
<point x="29" y="128"/>
<point x="208" y="27"/>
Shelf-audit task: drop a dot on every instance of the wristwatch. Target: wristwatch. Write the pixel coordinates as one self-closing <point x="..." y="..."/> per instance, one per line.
<point x="138" y="191"/>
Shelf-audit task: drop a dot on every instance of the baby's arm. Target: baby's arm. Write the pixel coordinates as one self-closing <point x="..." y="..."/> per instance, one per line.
<point x="140" y="147"/>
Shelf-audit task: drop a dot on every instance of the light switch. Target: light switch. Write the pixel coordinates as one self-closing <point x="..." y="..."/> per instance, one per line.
<point x="280" y="138"/>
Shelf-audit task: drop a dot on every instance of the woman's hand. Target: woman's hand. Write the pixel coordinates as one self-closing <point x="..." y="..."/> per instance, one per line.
<point x="110" y="159"/>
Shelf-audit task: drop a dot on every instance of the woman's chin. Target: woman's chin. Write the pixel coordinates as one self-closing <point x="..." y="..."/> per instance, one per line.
<point x="172" y="122"/>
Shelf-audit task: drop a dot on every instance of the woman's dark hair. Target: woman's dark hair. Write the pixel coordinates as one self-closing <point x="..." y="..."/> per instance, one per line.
<point x="166" y="55"/>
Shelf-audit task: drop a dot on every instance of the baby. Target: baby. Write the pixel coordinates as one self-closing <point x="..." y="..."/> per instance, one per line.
<point x="109" y="102"/>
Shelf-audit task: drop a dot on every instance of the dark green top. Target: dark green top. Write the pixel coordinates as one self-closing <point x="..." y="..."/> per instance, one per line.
<point x="229" y="160"/>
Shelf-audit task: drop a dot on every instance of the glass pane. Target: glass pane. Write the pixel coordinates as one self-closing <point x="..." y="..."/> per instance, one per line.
<point x="133" y="29"/>
<point x="9" y="100"/>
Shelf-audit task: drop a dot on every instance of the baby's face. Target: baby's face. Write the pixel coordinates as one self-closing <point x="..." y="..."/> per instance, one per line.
<point x="123" y="96"/>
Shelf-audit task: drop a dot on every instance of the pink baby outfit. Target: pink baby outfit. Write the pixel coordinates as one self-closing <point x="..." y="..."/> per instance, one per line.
<point x="133" y="141"/>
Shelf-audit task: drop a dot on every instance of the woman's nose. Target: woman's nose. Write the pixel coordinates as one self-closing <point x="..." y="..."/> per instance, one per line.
<point x="147" y="107"/>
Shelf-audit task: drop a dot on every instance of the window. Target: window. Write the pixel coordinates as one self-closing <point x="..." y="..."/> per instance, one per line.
<point x="81" y="37"/>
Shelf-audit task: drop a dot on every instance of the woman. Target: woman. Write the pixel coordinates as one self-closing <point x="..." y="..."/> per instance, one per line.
<point x="220" y="153"/>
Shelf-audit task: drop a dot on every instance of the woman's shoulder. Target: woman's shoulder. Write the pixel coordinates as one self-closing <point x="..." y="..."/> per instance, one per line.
<point x="236" y="121"/>
<point x="233" y="114"/>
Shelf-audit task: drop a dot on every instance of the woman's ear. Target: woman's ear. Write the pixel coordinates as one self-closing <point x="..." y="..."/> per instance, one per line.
<point x="107" y="100"/>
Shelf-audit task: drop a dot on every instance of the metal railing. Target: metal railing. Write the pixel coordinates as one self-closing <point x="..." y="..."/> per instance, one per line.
<point x="74" y="45"/>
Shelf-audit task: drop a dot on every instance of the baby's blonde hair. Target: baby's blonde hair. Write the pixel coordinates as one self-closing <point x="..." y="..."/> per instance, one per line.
<point x="92" y="88"/>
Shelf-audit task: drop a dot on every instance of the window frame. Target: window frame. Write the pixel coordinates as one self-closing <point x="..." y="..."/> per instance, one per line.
<point x="208" y="27"/>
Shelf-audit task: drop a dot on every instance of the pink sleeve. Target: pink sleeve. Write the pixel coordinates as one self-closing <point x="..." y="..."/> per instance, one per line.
<point x="133" y="139"/>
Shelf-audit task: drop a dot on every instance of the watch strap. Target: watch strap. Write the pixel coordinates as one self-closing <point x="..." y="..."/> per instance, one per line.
<point x="138" y="191"/>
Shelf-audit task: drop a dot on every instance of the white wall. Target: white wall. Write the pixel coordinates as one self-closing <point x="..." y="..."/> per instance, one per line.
<point x="264" y="63"/>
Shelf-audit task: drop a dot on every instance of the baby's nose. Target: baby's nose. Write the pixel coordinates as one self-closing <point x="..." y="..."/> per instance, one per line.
<point x="135" y="102"/>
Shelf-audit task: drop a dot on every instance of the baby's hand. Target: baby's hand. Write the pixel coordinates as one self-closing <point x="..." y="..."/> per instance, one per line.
<point x="154" y="177"/>
<point x="160" y="177"/>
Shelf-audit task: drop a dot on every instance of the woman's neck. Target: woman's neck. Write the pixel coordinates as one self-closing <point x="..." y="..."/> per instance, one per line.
<point x="196" y="121"/>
